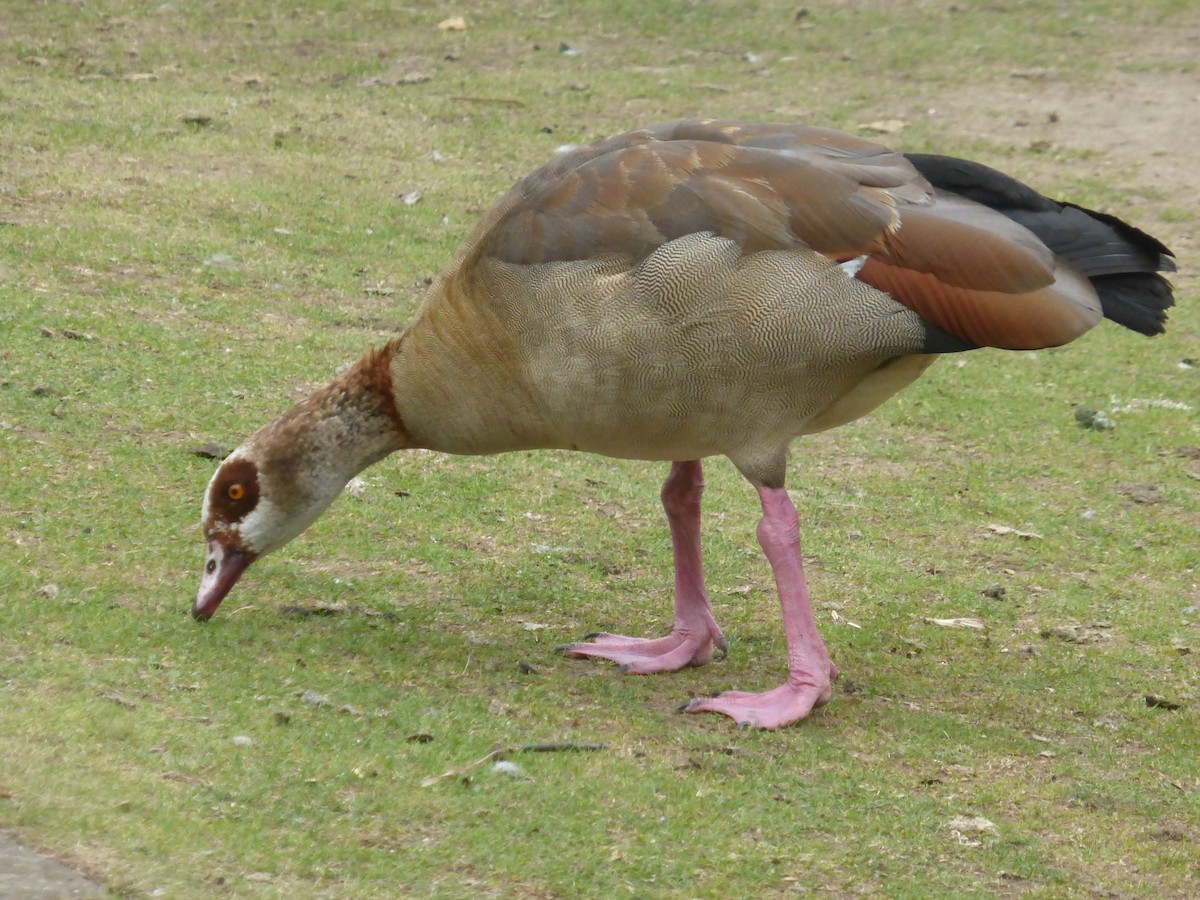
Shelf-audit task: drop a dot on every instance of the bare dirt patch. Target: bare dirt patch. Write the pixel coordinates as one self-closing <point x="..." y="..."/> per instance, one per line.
<point x="1137" y="124"/>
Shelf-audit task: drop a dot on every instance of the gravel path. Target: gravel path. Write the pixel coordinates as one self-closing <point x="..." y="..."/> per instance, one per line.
<point x="25" y="875"/>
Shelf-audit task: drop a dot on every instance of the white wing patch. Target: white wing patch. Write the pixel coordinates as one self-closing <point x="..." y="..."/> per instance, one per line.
<point x="853" y="266"/>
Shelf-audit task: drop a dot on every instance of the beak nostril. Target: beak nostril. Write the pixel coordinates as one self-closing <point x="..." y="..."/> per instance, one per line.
<point x="210" y="566"/>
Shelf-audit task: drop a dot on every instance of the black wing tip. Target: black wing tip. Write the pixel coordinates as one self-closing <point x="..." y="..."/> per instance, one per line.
<point x="1137" y="300"/>
<point x="1120" y="260"/>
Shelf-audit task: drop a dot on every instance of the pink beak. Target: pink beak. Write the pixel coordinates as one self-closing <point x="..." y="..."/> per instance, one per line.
<point x="223" y="566"/>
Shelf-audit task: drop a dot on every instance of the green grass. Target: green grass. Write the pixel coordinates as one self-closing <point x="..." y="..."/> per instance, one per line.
<point x="213" y="273"/>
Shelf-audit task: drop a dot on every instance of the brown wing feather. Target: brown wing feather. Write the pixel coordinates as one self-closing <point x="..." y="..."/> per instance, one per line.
<point x="766" y="187"/>
<point x="959" y="264"/>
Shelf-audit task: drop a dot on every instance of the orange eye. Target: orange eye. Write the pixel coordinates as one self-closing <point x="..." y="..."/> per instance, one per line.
<point x="235" y="492"/>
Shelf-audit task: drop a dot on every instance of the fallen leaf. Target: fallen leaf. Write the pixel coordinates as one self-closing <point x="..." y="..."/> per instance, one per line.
<point x="884" y="126"/>
<point x="958" y="623"/>
<point x="454" y="23"/>
<point x="209" y="451"/>
<point x="396" y="80"/>
<point x="1004" y="529"/>
<point x="124" y="701"/>
<point x="1036" y="73"/>
<point x="1143" y="494"/>
<point x="964" y="827"/>
<point x="1072" y="633"/>
<point x="838" y="617"/>
<point x="1156" y="702"/>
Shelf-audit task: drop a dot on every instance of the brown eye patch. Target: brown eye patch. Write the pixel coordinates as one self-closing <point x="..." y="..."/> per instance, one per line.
<point x="236" y="492"/>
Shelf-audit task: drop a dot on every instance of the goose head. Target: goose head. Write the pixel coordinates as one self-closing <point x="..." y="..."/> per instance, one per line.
<point x="256" y="502"/>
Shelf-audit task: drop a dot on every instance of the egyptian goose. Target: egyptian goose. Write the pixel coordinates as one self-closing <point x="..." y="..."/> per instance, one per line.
<point x="694" y="289"/>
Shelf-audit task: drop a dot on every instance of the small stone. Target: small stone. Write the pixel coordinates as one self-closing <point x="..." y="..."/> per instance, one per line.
<point x="511" y="769"/>
<point x="220" y="261"/>
<point x="1094" y="419"/>
<point x="242" y="740"/>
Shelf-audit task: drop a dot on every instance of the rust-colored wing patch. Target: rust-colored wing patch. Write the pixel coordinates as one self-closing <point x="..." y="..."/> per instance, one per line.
<point x="1046" y="317"/>
<point x="982" y="277"/>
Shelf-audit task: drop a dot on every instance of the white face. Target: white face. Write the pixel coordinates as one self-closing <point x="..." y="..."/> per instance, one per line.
<point x="244" y="509"/>
<point x="268" y="527"/>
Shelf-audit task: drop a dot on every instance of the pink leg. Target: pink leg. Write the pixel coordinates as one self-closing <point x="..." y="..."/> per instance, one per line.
<point x="691" y="640"/>
<point x="810" y="670"/>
